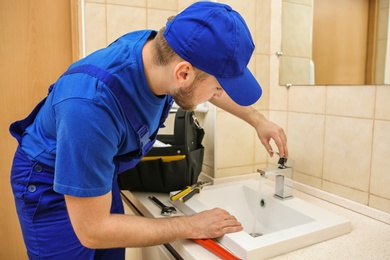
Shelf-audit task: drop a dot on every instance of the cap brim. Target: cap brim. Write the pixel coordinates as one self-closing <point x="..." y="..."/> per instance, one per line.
<point x="244" y="90"/>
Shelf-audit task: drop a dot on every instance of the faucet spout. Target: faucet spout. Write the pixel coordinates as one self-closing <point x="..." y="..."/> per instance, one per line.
<point x="282" y="174"/>
<point x="282" y="191"/>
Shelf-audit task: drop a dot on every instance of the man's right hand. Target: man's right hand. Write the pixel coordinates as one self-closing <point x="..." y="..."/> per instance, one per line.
<point x="213" y="223"/>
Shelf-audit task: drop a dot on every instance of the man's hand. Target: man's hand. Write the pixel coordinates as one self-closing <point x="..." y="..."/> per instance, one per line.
<point x="96" y="227"/>
<point x="213" y="223"/>
<point x="266" y="131"/>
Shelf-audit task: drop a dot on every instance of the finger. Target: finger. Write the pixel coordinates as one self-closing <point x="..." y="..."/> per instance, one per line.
<point x="284" y="141"/>
<point x="268" y="147"/>
<point x="232" y="229"/>
<point x="281" y="143"/>
<point x="231" y="225"/>
<point x="286" y="151"/>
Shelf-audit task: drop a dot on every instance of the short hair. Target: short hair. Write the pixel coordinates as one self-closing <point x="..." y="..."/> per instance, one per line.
<point x="164" y="54"/>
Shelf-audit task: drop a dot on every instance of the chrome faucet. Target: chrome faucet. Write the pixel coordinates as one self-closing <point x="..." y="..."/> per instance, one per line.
<point x="282" y="191"/>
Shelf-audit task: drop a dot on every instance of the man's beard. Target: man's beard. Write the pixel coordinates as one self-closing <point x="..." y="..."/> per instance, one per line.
<point x="185" y="97"/>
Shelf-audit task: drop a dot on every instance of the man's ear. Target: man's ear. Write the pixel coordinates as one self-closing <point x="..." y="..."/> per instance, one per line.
<point x="184" y="74"/>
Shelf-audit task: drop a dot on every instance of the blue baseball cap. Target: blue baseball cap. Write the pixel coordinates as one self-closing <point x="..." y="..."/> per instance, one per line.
<point x="215" y="38"/>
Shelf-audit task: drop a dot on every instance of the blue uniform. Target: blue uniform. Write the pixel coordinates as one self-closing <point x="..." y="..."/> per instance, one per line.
<point x="99" y="119"/>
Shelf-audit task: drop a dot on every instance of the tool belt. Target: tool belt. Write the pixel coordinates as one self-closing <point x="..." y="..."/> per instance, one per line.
<point x="166" y="169"/>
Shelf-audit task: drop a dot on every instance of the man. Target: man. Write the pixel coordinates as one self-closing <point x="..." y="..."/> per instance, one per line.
<point x="102" y="116"/>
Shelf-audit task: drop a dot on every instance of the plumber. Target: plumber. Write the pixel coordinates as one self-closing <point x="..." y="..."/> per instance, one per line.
<point x="103" y="114"/>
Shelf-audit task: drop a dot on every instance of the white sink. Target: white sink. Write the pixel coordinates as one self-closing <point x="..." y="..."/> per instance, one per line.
<point x="280" y="227"/>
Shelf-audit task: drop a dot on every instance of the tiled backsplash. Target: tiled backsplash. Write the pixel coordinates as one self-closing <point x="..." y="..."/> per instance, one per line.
<point x="339" y="136"/>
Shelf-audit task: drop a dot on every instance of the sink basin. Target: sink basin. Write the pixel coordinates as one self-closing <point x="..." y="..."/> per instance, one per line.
<point x="271" y="226"/>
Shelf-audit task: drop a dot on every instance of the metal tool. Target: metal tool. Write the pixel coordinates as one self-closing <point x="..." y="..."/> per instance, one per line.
<point x="194" y="191"/>
<point x="187" y="190"/>
<point x="190" y="195"/>
<point x="165" y="210"/>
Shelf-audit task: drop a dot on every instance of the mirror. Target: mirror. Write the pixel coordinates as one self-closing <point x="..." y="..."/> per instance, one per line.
<point x="335" y="42"/>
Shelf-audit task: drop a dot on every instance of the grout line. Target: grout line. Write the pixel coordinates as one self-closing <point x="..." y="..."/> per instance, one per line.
<point x="323" y="139"/>
<point x="372" y="147"/>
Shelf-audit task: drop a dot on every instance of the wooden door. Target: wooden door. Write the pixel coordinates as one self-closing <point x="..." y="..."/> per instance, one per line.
<point x="340" y="29"/>
<point x="38" y="42"/>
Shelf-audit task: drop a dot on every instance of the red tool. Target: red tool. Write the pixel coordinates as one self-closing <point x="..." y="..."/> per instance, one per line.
<point x="216" y="249"/>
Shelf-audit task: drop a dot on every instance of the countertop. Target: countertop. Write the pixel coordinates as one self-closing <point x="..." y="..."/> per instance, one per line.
<point x="369" y="238"/>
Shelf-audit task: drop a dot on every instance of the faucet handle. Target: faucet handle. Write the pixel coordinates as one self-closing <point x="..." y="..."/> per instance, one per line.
<point x="284" y="162"/>
<point x="281" y="162"/>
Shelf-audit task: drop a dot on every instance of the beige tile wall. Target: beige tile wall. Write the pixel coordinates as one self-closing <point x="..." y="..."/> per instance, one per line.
<point x="339" y="136"/>
<point x="106" y="20"/>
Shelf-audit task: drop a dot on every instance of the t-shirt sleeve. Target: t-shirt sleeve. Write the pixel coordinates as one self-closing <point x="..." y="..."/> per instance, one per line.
<point x="87" y="141"/>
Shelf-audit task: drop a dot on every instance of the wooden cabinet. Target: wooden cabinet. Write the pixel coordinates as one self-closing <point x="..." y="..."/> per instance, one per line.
<point x="39" y="40"/>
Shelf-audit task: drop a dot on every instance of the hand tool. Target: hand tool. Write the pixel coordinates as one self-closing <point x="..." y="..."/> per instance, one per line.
<point x="165" y="210"/>
<point x="187" y="190"/>
<point x="194" y="191"/>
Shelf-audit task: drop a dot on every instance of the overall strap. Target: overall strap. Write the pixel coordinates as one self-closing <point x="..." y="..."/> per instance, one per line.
<point x="114" y="85"/>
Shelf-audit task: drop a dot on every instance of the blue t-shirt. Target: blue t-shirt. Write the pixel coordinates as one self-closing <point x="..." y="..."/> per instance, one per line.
<point x="81" y="127"/>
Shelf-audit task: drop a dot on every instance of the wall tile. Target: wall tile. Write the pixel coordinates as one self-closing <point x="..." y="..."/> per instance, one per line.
<point x="234" y="141"/>
<point x="306" y="142"/>
<point x="252" y="64"/>
<point x="182" y="4"/>
<point x="274" y="72"/>
<point x="355" y="101"/>
<point x="95" y="27"/>
<point x="135" y="3"/>
<point x="301" y="2"/>
<point x="346" y="192"/>
<point x="163" y="4"/>
<point x="247" y="9"/>
<point x="262" y="72"/>
<point x="380" y="177"/>
<point x="347" y="151"/>
<point x="262" y="34"/>
<point x="307" y="179"/>
<point x="279" y="118"/>
<point x="169" y="125"/>
<point x="261" y="154"/>
<point x="278" y="96"/>
<point x="382" y="105"/>
<point x="276" y="26"/>
<point x="209" y="171"/>
<point x="233" y="171"/>
<point x="379" y="203"/>
<point x="95" y="1"/>
<point x="124" y="19"/>
<point x="308" y="99"/>
<point x="208" y="122"/>
<point x="156" y="19"/>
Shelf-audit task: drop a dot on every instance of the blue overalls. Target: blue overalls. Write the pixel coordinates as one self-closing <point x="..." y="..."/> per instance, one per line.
<point x="44" y="220"/>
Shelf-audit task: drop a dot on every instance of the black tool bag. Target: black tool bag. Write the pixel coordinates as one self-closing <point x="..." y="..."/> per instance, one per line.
<point x="166" y="169"/>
